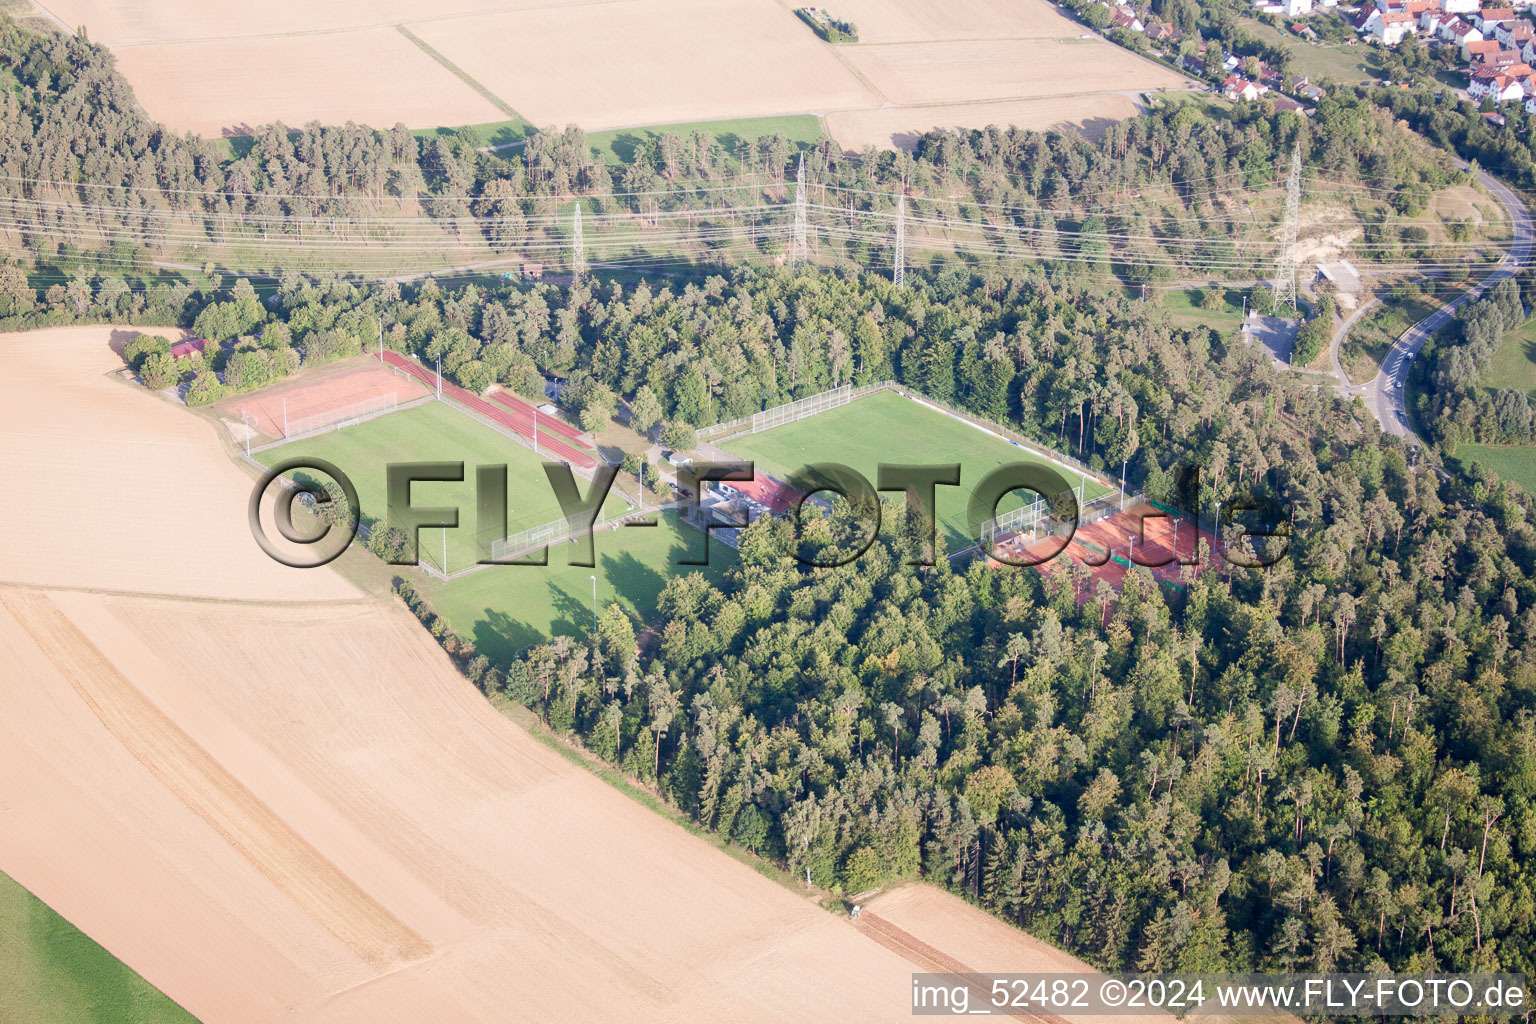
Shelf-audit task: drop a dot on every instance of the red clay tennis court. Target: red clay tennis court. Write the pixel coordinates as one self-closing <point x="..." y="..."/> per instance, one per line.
<point x="298" y="401"/>
<point x="1142" y="534"/>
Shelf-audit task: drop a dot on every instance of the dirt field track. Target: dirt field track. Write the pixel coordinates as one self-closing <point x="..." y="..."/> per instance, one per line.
<point x="224" y="69"/>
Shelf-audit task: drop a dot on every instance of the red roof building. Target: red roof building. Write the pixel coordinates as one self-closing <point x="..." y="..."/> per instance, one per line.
<point x="189" y="348"/>
<point x="773" y="495"/>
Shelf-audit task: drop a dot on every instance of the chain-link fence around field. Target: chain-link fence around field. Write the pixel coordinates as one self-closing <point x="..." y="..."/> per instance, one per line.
<point x="799" y="410"/>
<point x="341" y="416"/>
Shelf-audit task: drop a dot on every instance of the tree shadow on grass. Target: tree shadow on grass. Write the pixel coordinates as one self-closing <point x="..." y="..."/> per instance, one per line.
<point x="572" y="616"/>
<point x="627" y="145"/>
<point x="501" y="638"/>
<point x="634" y="582"/>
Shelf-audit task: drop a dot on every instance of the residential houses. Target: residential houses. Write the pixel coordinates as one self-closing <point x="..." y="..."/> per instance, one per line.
<point x="1459" y="33"/>
<point x="1501" y="85"/>
<point x="1120" y="17"/>
<point x="1475" y="51"/>
<point x="1487" y="18"/>
<point x="1388" y="28"/>
<point x="1236" y="87"/>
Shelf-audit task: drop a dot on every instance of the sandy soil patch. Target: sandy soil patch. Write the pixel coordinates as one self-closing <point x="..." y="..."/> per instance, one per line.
<point x="634" y="62"/>
<point x="929" y="919"/>
<point x="943" y="932"/>
<point x="123" y="490"/>
<point x="903" y="21"/>
<point x="998" y="69"/>
<point x="372" y="76"/>
<point x="900" y="126"/>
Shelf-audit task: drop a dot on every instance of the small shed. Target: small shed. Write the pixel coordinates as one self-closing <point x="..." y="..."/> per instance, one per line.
<point x="533" y="271"/>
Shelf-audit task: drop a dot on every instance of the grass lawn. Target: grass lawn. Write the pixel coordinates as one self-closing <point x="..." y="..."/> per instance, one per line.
<point x="492" y="133"/>
<point x="1514" y="364"/>
<point x="436" y="432"/>
<point x="1184" y="309"/>
<point x="53" y="973"/>
<point x="619" y="144"/>
<point x="1515" y="462"/>
<point x="1347" y="65"/>
<point x="507" y="608"/>
<point x="885" y="427"/>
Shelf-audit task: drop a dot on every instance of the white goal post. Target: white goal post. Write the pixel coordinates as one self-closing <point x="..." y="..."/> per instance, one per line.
<point x="342" y="416"/>
<point x="552" y="532"/>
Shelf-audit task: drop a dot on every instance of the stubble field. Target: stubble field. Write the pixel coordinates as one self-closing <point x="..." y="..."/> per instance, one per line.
<point x="220" y="70"/>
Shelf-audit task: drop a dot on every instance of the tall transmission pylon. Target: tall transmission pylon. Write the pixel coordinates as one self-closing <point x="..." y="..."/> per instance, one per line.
<point x="578" y="244"/>
<point x="1285" y="262"/>
<point x="899" y="269"/>
<point x="799" y="246"/>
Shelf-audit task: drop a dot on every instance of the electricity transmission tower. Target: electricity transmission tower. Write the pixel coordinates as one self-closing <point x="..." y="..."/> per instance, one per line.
<point x="799" y="247"/>
<point x="578" y="245"/>
<point x="1285" y="262"/>
<point x="899" y="269"/>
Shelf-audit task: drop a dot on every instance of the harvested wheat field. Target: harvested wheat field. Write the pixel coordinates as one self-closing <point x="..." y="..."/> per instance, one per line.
<point x="217" y="69"/>
<point x="901" y="126"/>
<point x="1026" y="69"/>
<point x="229" y="86"/>
<point x="299" y="809"/>
<point x="911" y="21"/>
<point x="636" y="62"/>
<point x="123" y="490"/>
<point x="132" y="22"/>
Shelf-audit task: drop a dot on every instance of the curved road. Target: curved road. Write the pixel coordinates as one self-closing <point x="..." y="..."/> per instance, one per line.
<point x="1384" y="395"/>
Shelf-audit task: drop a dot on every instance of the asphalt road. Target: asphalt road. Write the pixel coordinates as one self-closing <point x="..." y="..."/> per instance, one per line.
<point x="1384" y="395"/>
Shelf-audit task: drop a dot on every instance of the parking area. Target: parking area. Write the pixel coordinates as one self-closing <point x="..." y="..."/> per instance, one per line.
<point x="1276" y="333"/>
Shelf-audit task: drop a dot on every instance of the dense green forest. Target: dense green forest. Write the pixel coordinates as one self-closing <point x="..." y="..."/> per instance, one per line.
<point x="1327" y="764"/>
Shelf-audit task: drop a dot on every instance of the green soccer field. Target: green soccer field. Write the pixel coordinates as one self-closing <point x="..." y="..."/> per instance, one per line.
<point x="506" y="608"/>
<point x="436" y="432"/>
<point x="886" y="427"/>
